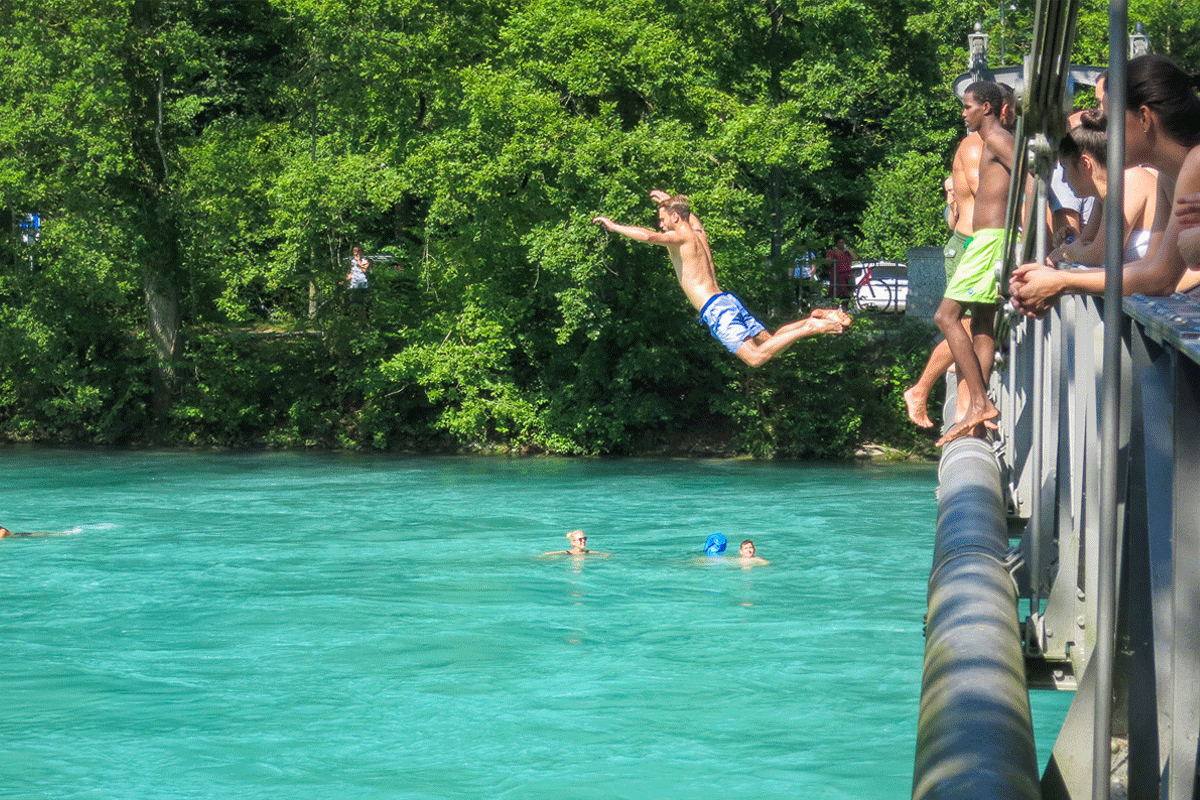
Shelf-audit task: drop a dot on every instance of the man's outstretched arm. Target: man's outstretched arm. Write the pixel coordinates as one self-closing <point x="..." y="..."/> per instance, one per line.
<point x="639" y="233"/>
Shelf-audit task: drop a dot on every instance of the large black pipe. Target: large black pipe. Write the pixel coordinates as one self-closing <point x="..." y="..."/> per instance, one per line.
<point x="975" y="735"/>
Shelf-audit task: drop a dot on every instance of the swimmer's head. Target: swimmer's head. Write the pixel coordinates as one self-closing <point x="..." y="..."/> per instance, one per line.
<point x="577" y="539"/>
<point x="747" y="549"/>
<point x="715" y="544"/>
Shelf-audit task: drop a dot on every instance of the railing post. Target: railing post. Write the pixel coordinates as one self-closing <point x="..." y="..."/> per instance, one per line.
<point x="1106" y="588"/>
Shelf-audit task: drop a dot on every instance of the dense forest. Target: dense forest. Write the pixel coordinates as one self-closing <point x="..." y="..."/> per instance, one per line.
<point x="201" y="170"/>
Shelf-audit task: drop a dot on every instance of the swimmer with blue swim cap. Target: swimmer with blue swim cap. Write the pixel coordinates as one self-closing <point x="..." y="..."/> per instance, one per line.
<point x="715" y="544"/>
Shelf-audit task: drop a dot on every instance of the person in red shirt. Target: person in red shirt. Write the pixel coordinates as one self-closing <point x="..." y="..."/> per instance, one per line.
<point x="841" y="276"/>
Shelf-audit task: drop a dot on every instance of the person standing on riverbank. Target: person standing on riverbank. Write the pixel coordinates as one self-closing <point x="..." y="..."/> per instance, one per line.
<point x="356" y="278"/>
<point x="840" y="259"/>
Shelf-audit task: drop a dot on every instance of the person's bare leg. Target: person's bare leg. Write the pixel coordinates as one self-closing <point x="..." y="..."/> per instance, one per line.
<point x="761" y="348"/>
<point x="980" y="409"/>
<point x="962" y="399"/>
<point x="983" y="338"/>
<point x="916" y="397"/>
<point x="983" y="341"/>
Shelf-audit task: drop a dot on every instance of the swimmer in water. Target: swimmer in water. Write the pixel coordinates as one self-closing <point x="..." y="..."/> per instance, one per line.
<point x="578" y="540"/>
<point x="6" y="533"/>
<point x="747" y="558"/>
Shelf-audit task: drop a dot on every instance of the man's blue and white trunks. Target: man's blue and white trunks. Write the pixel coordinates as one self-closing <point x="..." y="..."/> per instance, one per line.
<point x="729" y="321"/>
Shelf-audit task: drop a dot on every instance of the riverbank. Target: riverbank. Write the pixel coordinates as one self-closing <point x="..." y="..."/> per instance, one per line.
<point x="350" y="387"/>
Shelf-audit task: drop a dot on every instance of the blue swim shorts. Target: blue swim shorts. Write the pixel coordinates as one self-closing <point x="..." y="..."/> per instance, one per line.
<point x="729" y="321"/>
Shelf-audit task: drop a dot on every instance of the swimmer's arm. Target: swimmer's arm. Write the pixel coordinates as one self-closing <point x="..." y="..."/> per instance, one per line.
<point x="1189" y="247"/>
<point x="666" y="239"/>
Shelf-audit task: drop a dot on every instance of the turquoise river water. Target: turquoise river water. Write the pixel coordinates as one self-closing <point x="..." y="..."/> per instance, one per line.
<point x="273" y="625"/>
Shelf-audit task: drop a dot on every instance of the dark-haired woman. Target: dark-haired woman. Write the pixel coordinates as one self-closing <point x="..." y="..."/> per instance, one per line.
<point x="1162" y="128"/>
<point x="1084" y="156"/>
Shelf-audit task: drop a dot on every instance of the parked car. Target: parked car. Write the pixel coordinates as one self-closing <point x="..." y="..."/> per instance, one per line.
<point x="881" y="285"/>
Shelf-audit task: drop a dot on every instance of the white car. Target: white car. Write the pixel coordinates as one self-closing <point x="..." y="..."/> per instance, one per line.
<point x="881" y="285"/>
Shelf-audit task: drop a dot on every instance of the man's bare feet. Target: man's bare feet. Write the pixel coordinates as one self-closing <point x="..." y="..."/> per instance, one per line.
<point x="983" y="417"/>
<point x="914" y="403"/>
<point x="818" y="325"/>
<point x="833" y="315"/>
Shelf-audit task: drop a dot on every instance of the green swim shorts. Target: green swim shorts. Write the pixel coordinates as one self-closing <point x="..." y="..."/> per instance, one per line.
<point x="975" y="279"/>
<point x="953" y="253"/>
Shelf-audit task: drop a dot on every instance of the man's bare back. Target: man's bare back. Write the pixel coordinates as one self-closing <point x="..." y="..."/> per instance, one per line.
<point x="966" y="181"/>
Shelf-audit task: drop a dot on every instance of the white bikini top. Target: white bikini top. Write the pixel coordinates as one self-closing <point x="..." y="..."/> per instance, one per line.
<point x="1137" y="245"/>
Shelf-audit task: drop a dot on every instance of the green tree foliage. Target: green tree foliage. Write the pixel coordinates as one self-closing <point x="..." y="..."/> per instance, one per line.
<point x="203" y="169"/>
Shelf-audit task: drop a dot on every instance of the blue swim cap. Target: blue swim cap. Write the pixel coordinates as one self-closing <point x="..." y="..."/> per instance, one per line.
<point x="715" y="544"/>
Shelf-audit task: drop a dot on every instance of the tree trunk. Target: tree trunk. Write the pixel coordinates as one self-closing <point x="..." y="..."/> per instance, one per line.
<point x="160" y="258"/>
<point x="162" y="320"/>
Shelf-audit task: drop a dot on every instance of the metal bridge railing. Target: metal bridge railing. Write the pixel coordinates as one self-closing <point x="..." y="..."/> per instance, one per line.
<point x="1052" y="447"/>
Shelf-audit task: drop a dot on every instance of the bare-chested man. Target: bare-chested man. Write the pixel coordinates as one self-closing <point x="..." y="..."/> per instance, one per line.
<point x="974" y="283"/>
<point x="965" y="181"/>
<point x="730" y="323"/>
